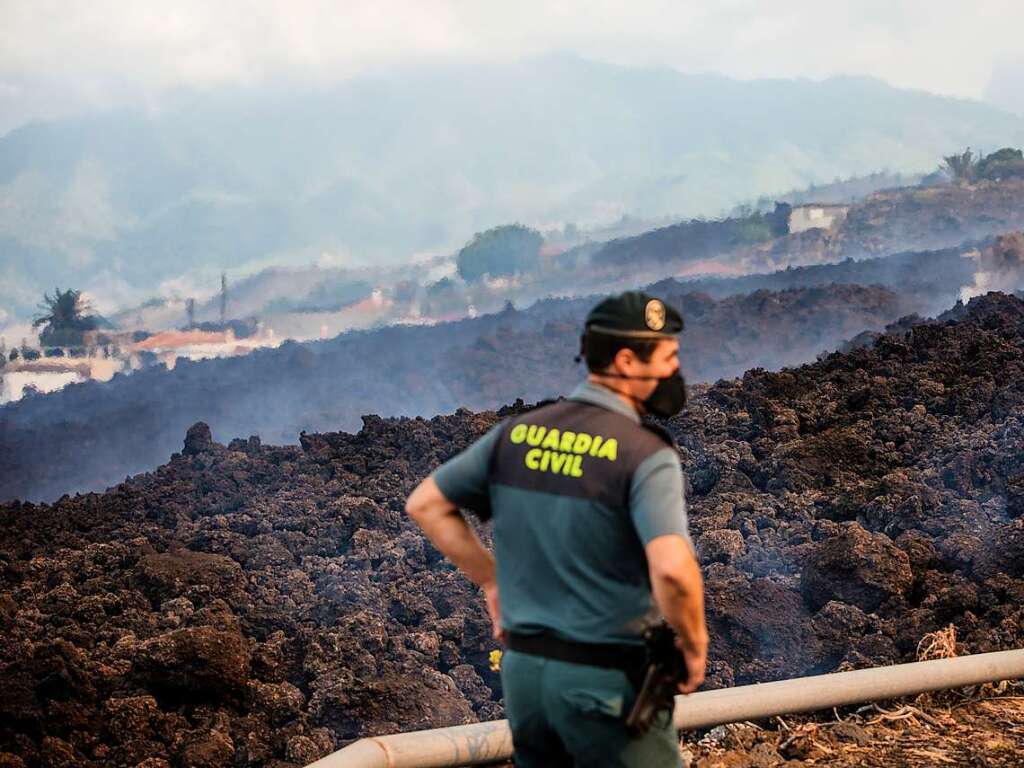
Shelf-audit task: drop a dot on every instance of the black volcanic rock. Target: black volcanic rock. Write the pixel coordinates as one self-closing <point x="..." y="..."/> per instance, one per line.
<point x="856" y="567"/>
<point x="198" y="439"/>
<point x="205" y="661"/>
<point x="171" y="574"/>
<point x="261" y="605"/>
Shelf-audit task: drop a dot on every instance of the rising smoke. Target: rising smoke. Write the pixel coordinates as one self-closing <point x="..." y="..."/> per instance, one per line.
<point x="1000" y="267"/>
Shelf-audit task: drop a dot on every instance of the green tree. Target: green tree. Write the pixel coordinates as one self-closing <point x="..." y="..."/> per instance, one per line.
<point x="504" y="250"/>
<point x="1001" y="163"/>
<point x="65" y="317"/>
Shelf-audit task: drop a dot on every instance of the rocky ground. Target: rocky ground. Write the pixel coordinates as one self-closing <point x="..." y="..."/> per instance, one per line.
<point x="246" y="604"/>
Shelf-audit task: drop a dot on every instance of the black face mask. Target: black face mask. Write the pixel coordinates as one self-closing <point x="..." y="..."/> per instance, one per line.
<point x="667" y="399"/>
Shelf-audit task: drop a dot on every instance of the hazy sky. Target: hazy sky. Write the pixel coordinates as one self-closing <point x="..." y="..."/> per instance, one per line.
<point x="62" y="56"/>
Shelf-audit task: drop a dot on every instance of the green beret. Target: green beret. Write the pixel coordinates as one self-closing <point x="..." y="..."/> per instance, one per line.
<point x="636" y="315"/>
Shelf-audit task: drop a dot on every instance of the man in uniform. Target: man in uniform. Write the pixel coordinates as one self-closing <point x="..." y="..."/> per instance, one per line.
<point x="590" y="541"/>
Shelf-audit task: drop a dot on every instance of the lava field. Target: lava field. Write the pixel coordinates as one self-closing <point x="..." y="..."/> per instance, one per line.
<point x="251" y="605"/>
<point x="90" y="436"/>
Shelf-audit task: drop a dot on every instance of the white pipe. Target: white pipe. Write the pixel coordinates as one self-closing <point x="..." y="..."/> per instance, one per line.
<point x="476" y="744"/>
<point x="483" y="743"/>
<point x="808" y="694"/>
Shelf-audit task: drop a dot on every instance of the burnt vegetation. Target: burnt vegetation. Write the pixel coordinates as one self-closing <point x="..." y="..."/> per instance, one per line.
<point x="247" y="604"/>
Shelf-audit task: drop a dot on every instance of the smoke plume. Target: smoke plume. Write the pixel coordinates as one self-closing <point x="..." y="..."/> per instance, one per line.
<point x="1000" y="267"/>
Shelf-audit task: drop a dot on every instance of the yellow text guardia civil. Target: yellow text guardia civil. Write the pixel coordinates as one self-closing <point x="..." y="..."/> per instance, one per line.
<point x="556" y="451"/>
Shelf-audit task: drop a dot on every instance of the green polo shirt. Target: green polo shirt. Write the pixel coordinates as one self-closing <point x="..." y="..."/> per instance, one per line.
<point x="569" y="564"/>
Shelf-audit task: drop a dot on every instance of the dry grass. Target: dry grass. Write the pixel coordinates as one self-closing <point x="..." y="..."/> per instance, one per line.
<point x="975" y="726"/>
<point x="978" y="732"/>
<point x="940" y="644"/>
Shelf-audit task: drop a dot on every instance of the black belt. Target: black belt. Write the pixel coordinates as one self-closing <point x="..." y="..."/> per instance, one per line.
<point x="631" y="659"/>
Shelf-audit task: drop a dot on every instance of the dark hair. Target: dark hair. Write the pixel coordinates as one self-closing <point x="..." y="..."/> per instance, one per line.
<point x="599" y="349"/>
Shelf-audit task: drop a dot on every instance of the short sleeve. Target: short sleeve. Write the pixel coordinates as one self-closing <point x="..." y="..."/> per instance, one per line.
<point x="463" y="479"/>
<point x="657" y="501"/>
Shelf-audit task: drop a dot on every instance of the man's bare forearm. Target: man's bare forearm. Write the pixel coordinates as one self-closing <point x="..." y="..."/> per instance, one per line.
<point x="680" y="598"/>
<point x="447" y="530"/>
<point x="458" y="542"/>
<point x="678" y="589"/>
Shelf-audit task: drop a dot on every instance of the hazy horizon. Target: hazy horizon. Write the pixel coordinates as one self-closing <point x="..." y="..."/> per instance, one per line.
<point x="59" y="59"/>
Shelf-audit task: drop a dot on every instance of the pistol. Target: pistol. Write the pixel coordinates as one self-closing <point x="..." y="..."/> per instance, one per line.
<point x="665" y="670"/>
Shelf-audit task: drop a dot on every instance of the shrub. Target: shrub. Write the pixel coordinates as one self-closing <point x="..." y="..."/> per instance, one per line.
<point x="504" y="250"/>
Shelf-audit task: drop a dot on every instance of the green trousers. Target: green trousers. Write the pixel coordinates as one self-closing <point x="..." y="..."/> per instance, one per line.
<point x="564" y="714"/>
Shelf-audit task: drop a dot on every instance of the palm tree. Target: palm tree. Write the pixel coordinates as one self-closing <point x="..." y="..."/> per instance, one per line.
<point x="961" y="167"/>
<point x="65" y="316"/>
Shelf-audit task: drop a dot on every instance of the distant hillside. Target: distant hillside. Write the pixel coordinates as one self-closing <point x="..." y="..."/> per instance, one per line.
<point x="848" y="190"/>
<point x="389" y="165"/>
<point x="317" y="302"/>
<point x="888" y="221"/>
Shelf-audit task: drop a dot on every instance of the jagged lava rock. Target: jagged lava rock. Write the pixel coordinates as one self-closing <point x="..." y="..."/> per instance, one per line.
<point x="198" y="439"/>
<point x="857" y="567"/>
<point x="201" y="660"/>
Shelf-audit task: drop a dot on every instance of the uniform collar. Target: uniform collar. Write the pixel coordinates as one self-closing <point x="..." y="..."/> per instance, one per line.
<point x="595" y="394"/>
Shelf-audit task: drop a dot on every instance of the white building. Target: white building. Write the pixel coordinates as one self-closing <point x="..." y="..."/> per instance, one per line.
<point x="48" y="374"/>
<point x="14" y="383"/>
<point x="816" y="216"/>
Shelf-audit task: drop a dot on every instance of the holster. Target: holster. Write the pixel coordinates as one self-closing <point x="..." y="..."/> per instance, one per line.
<point x="664" y="670"/>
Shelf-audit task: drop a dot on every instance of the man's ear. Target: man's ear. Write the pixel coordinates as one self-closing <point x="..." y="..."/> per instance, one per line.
<point x="624" y="359"/>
